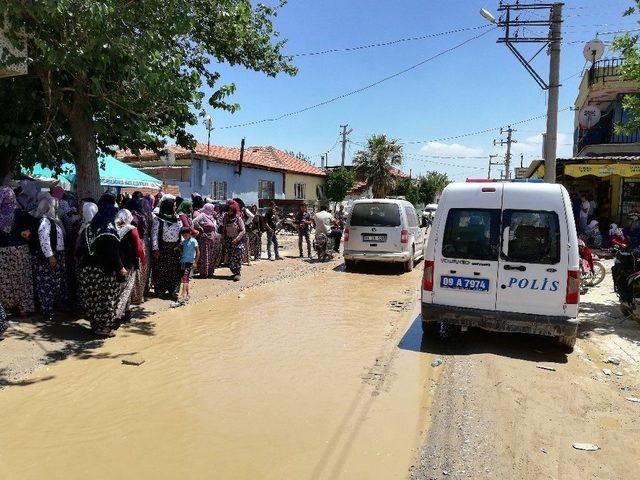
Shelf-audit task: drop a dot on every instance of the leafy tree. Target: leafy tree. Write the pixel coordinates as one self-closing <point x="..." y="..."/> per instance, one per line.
<point x="430" y="184"/>
<point x="627" y="45"/>
<point x="408" y="189"/>
<point x="376" y="162"/>
<point x="339" y="182"/>
<point x="123" y="73"/>
<point x="299" y="155"/>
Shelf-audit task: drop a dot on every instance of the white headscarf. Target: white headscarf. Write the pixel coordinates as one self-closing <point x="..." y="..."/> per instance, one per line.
<point x="47" y="207"/>
<point x="615" y="231"/>
<point x="89" y="210"/>
<point x="123" y="222"/>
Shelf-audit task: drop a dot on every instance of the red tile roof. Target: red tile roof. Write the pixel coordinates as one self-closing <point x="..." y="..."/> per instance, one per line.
<point x="261" y="157"/>
<point x="398" y="173"/>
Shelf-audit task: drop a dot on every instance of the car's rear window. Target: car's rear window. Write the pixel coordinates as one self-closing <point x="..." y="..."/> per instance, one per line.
<point x="375" y="215"/>
<point x="472" y="234"/>
<point x="534" y="236"/>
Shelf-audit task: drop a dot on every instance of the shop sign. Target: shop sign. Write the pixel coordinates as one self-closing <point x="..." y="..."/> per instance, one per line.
<point x="621" y="169"/>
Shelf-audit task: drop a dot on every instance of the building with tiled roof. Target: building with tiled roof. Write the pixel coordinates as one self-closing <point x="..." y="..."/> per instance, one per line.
<point x="260" y="173"/>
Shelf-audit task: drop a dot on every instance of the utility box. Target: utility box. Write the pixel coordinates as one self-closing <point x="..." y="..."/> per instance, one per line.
<point x="13" y="59"/>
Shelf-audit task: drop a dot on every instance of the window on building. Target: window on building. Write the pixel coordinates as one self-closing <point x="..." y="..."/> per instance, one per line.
<point x="266" y="190"/>
<point x="320" y="195"/>
<point x="299" y="191"/>
<point x="219" y="190"/>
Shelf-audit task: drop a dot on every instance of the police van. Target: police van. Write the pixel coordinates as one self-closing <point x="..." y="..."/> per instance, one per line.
<point x="503" y="256"/>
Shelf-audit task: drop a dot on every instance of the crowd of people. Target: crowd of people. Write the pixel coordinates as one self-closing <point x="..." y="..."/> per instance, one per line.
<point x="96" y="257"/>
<point x="596" y="231"/>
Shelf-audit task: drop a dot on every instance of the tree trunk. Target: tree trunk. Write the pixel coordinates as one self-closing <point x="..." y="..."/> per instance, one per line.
<point x="84" y="146"/>
<point x="7" y="163"/>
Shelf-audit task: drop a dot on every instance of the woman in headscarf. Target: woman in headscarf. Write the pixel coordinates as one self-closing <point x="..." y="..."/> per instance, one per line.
<point x="165" y="237"/>
<point x="255" y="228"/>
<point x="184" y="212"/>
<point x="198" y="203"/>
<point x="132" y="256"/>
<point x="247" y="218"/>
<point x="49" y="259"/>
<point x="140" y="212"/>
<point x="28" y="196"/>
<point x="16" y="280"/>
<point x="102" y="272"/>
<point x="234" y="232"/>
<point x="208" y="240"/>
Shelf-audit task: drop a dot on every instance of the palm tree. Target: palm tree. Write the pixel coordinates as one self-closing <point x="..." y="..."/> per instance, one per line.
<point x="376" y="163"/>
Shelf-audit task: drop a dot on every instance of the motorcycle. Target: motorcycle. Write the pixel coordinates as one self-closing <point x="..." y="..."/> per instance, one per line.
<point x="323" y="245"/>
<point x="592" y="271"/>
<point x="287" y="224"/>
<point x="626" y="282"/>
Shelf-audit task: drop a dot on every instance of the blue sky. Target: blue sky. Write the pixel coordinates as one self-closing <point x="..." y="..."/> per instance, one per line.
<point x="478" y="86"/>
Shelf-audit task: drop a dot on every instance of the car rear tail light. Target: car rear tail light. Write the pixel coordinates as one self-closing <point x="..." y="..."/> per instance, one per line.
<point x="427" y="277"/>
<point x="404" y="236"/>
<point x="346" y="235"/>
<point x="573" y="287"/>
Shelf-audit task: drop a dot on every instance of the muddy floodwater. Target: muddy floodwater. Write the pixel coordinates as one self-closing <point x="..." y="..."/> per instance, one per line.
<point x="299" y="379"/>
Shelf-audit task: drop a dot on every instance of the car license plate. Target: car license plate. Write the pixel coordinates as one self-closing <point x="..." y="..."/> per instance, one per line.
<point x="374" y="238"/>
<point x="462" y="283"/>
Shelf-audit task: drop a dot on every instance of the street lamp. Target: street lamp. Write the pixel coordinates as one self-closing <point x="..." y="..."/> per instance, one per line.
<point x="488" y="15"/>
<point x="208" y="124"/>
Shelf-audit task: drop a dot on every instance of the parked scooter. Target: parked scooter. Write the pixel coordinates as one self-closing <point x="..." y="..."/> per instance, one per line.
<point x="323" y="245"/>
<point x="592" y="271"/>
<point x="287" y="224"/>
<point x="626" y="282"/>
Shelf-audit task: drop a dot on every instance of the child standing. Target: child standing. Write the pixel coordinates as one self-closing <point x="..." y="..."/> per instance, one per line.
<point x="189" y="256"/>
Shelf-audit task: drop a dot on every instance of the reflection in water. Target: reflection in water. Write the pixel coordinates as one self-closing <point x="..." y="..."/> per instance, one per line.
<point x="294" y="380"/>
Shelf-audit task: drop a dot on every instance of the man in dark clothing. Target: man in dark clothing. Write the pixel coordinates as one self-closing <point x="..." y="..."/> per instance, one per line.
<point x="303" y="221"/>
<point x="271" y="221"/>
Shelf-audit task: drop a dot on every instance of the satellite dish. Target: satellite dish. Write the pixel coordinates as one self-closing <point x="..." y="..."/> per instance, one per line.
<point x="589" y="116"/>
<point x="593" y="50"/>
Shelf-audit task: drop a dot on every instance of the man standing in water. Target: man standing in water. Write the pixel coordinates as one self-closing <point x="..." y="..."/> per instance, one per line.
<point x="271" y="220"/>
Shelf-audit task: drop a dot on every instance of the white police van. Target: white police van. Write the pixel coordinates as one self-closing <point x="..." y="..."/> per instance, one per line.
<point x="503" y="256"/>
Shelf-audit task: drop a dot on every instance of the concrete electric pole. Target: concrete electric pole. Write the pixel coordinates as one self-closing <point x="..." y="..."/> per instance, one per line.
<point x="507" y="156"/>
<point x="344" y="134"/>
<point x="512" y="23"/>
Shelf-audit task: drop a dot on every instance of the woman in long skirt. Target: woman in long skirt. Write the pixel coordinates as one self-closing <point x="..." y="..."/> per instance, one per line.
<point x="165" y="237"/>
<point x="49" y="258"/>
<point x="234" y="233"/>
<point x="140" y="219"/>
<point x="208" y="241"/>
<point x="16" y="281"/>
<point x="103" y="275"/>
<point x="132" y="257"/>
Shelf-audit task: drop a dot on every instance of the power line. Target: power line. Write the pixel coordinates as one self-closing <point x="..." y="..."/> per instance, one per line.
<point x="385" y="44"/>
<point x="361" y="89"/>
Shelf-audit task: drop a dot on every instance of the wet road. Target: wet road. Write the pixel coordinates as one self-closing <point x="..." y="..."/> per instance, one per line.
<point x="297" y="379"/>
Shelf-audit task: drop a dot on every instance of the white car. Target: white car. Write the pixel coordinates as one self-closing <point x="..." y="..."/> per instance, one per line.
<point x="503" y="257"/>
<point x="383" y="230"/>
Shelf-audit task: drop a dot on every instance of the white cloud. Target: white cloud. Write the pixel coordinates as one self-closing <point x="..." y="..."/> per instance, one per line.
<point x="533" y="145"/>
<point x="450" y="150"/>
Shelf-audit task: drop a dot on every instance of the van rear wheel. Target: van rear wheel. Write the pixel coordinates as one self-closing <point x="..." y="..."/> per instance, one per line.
<point x="568" y="342"/>
<point x="408" y="265"/>
<point x="431" y="328"/>
<point x="349" y="264"/>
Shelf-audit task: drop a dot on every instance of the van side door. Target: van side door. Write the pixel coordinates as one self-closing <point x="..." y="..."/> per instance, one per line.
<point x="413" y="227"/>
<point x="532" y="273"/>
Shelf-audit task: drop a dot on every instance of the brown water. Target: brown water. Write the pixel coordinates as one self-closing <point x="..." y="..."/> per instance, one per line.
<point x="284" y="382"/>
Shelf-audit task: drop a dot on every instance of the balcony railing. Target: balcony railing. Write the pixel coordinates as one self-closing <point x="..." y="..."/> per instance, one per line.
<point x="604" y="133"/>
<point x="606" y="69"/>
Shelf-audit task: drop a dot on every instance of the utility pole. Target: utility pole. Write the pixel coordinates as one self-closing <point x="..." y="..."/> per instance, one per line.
<point x="507" y="157"/>
<point x="554" y="93"/>
<point x="553" y="41"/>
<point x="492" y="164"/>
<point x="344" y="134"/>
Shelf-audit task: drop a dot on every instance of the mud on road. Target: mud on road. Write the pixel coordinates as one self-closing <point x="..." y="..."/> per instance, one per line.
<point x="497" y="415"/>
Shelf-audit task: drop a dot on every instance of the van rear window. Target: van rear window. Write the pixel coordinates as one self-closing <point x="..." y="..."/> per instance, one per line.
<point x="472" y="234"/>
<point x="375" y="215"/>
<point x="534" y="236"/>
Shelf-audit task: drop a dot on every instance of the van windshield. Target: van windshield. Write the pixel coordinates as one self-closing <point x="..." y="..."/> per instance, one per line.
<point x="375" y="215"/>
<point x="472" y="234"/>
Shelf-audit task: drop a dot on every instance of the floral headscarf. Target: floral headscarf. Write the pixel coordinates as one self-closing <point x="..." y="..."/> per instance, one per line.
<point x="123" y="222"/>
<point x="185" y="208"/>
<point x="8" y="206"/>
<point x="167" y="209"/>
